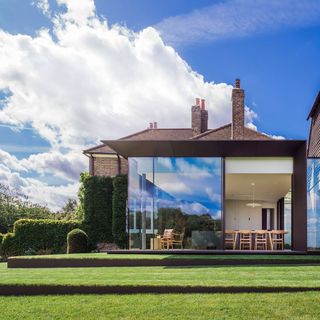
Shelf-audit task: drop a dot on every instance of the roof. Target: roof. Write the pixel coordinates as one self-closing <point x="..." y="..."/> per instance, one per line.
<point x="316" y="105"/>
<point x="147" y="134"/>
<point x="174" y="134"/>
<point x="100" y="149"/>
<point x="224" y="133"/>
<point x="161" y="134"/>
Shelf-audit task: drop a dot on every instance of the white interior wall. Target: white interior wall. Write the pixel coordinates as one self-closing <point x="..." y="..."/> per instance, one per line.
<point x="239" y="216"/>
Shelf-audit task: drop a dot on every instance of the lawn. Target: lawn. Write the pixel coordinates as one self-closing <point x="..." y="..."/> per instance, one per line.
<point x="248" y="276"/>
<point x="278" y="306"/>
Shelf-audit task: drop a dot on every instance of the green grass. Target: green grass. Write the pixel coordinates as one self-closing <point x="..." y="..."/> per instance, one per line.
<point x="278" y="306"/>
<point x="249" y="276"/>
<point x="174" y="256"/>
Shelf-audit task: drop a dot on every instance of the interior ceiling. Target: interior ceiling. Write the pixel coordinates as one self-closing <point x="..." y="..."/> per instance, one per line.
<point x="268" y="187"/>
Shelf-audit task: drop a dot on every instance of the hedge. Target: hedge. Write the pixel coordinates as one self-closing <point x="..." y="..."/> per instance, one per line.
<point x="36" y="235"/>
<point x="1" y="238"/>
<point x="119" y="208"/>
<point x="97" y="203"/>
<point x="9" y="247"/>
<point x="77" y="241"/>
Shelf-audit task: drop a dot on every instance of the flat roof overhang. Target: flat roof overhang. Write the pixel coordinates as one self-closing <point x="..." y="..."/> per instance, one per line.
<point x="203" y="148"/>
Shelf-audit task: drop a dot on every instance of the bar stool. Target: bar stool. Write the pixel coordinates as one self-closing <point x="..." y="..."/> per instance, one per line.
<point x="261" y="239"/>
<point x="245" y="239"/>
<point x="230" y="238"/>
<point x="277" y="239"/>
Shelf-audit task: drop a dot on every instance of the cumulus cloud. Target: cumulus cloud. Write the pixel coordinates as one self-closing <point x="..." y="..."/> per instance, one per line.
<point x="83" y="81"/>
<point x="66" y="166"/>
<point x="76" y="86"/>
<point x="37" y="191"/>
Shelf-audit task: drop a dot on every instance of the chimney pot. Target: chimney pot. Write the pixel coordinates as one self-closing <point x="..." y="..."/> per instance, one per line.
<point x="203" y="104"/>
<point x="197" y="101"/>
<point x="155" y="125"/>
<point x="238" y="83"/>
<point x="150" y="125"/>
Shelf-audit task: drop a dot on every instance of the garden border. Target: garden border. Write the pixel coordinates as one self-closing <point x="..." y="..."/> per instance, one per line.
<point x="167" y="262"/>
<point x="19" y="290"/>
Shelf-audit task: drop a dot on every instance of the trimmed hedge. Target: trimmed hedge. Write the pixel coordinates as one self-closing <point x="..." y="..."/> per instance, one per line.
<point x="77" y="241"/>
<point x="97" y="203"/>
<point x="119" y="210"/>
<point x="37" y="235"/>
<point x="9" y="246"/>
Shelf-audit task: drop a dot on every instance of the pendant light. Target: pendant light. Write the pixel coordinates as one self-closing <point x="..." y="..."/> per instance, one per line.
<point x="253" y="204"/>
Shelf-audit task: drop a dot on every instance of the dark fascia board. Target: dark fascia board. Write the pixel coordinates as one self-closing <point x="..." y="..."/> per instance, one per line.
<point x="206" y="148"/>
<point x="316" y="104"/>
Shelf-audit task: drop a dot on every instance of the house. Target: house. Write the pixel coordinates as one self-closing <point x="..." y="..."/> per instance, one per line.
<point x="223" y="188"/>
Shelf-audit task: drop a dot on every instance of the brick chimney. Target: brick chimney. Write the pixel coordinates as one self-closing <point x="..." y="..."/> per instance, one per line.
<point x="199" y="117"/>
<point x="237" y="112"/>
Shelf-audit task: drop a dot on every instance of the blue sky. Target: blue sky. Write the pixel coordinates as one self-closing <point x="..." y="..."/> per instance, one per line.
<point x="49" y="91"/>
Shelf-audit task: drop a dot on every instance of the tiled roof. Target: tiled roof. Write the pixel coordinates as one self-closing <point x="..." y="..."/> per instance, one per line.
<point x="224" y="133"/>
<point x="161" y="134"/>
<point x="102" y="148"/>
<point x="221" y="133"/>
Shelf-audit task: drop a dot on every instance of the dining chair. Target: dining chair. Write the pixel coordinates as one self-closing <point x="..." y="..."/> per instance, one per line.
<point x="261" y="239"/>
<point x="230" y="239"/>
<point x="277" y="239"/>
<point x="245" y="237"/>
<point x="166" y="239"/>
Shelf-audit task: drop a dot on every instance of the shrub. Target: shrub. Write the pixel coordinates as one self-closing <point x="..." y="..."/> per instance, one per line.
<point x="77" y="241"/>
<point x="9" y="247"/>
<point x="33" y="235"/>
<point x="97" y="204"/>
<point x="119" y="210"/>
<point x="1" y="238"/>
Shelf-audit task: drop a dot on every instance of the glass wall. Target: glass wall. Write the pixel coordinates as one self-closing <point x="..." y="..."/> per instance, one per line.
<point x="313" y="187"/>
<point x="183" y="194"/>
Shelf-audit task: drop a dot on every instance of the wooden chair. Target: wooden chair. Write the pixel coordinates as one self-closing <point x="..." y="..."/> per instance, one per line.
<point x="230" y="238"/>
<point x="166" y="239"/>
<point x="277" y="239"/>
<point x="245" y="239"/>
<point x="178" y="239"/>
<point x="261" y="239"/>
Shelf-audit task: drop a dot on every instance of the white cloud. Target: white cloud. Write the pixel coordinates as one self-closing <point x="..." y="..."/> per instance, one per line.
<point x="213" y="196"/>
<point x="43" y="6"/>
<point x="52" y="196"/>
<point x="10" y="161"/>
<point x="66" y="166"/>
<point x="238" y="18"/>
<point x="84" y="81"/>
<point x="77" y="87"/>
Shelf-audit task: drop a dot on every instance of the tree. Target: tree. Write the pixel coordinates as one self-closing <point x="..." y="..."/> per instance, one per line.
<point x="15" y="205"/>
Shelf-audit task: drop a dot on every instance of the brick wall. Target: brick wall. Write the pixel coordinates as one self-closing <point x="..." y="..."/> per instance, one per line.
<point x="199" y="120"/>
<point x="314" y="138"/>
<point x="109" y="166"/>
<point x="237" y="112"/>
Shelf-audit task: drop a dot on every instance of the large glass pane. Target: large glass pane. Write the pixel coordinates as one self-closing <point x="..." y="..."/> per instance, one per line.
<point x="313" y="195"/>
<point x="183" y="194"/>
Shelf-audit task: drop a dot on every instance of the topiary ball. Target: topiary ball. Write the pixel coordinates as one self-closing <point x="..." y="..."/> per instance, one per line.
<point x="77" y="241"/>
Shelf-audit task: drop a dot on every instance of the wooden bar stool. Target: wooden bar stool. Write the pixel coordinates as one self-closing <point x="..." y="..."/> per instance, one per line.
<point x="230" y="239"/>
<point x="277" y="239"/>
<point x="261" y="239"/>
<point x="245" y="239"/>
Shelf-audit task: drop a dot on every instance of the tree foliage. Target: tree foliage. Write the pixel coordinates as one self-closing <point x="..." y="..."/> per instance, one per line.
<point x="97" y="205"/>
<point x="119" y="212"/>
<point x="15" y="206"/>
